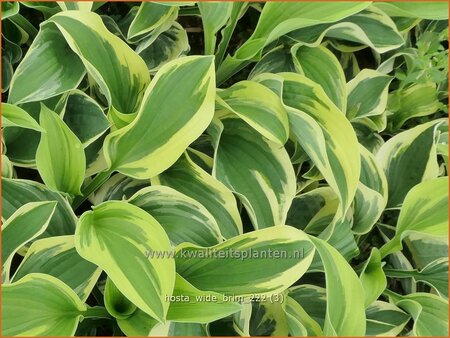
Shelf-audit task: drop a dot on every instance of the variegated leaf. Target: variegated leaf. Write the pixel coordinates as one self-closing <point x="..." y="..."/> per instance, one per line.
<point x="18" y="192"/>
<point x="322" y="131"/>
<point x="165" y="125"/>
<point x="27" y="222"/>
<point x="14" y="116"/>
<point x="424" y="210"/>
<point x="120" y="73"/>
<point x="183" y="218"/>
<point x="411" y="155"/>
<point x="258" y="106"/>
<point x="223" y="269"/>
<point x="60" y="157"/>
<point x="118" y="237"/>
<point x="56" y="256"/>
<point x="191" y="180"/>
<point x="40" y="305"/>
<point x="264" y="180"/>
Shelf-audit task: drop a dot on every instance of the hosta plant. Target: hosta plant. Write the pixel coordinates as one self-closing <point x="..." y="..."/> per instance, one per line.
<point x="224" y="168"/>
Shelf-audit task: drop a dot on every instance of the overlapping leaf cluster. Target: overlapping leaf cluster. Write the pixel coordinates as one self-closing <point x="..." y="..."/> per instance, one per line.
<point x="312" y="127"/>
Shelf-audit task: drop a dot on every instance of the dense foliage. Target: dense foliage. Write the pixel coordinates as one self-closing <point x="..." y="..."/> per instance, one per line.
<point x="224" y="168"/>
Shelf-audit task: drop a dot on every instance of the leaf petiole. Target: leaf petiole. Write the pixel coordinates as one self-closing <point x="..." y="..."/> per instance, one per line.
<point x="92" y="186"/>
<point x="96" y="312"/>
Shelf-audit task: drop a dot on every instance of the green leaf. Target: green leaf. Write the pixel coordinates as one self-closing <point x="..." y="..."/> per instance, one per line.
<point x="16" y="193"/>
<point x="118" y="187"/>
<point x="414" y="101"/>
<point x="7" y="71"/>
<point x="188" y="305"/>
<point x="343" y="240"/>
<point x="18" y="30"/>
<point x="442" y="147"/>
<point x="184" y="167"/>
<point x="392" y="63"/>
<point x="40" y="305"/>
<point x="345" y="314"/>
<point x="117" y="237"/>
<point x="425" y="210"/>
<point x="241" y="319"/>
<point x="150" y="38"/>
<point x="299" y="322"/>
<point x="27" y="222"/>
<point x="371" y="195"/>
<point x="214" y="16"/>
<point x="313" y="299"/>
<point x="149" y="17"/>
<point x="314" y="210"/>
<point x="169" y="45"/>
<point x="370" y="27"/>
<point x="237" y="11"/>
<point x="138" y="324"/>
<point x="178" y="329"/>
<point x="188" y="178"/>
<point x="14" y="116"/>
<point x="56" y="256"/>
<point x="44" y="7"/>
<point x="385" y="319"/>
<point x="84" y="117"/>
<point x="9" y="9"/>
<point x="368" y="137"/>
<point x="258" y="106"/>
<point x="59" y="157"/>
<point x="425" y="308"/>
<point x="268" y="318"/>
<point x="323" y="132"/>
<point x="372" y="277"/>
<point x="7" y="167"/>
<point x="21" y="143"/>
<point x="222" y="269"/>
<point x="410" y="155"/>
<point x="200" y="158"/>
<point x="277" y="60"/>
<point x="431" y="10"/>
<point x="48" y="68"/>
<point x="165" y="124"/>
<point x="367" y="94"/>
<point x="75" y="5"/>
<point x="425" y="249"/>
<point x="198" y="306"/>
<point x="280" y="18"/>
<point x="296" y="328"/>
<point x="434" y="274"/>
<point x="321" y="66"/>
<point x="265" y="178"/>
<point x="117" y="304"/>
<point x="119" y="72"/>
<point x="183" y="218"/>
<point x="398" y="260"/>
